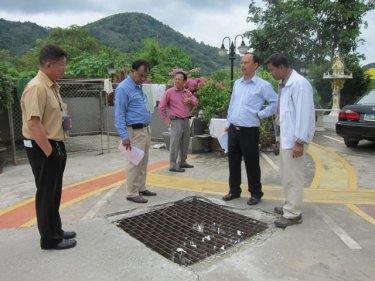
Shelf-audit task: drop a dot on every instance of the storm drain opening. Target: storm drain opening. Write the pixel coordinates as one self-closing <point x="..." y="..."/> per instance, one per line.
<point x="190" y="230"/>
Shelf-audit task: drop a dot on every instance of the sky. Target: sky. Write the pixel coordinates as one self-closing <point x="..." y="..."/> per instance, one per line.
<point x="207" y="21"/>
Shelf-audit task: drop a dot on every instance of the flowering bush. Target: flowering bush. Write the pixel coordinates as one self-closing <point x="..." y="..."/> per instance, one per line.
<point x="213" y="96"/>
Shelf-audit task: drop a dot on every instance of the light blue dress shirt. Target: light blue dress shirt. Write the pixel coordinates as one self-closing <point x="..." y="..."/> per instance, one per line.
<point x="248" y="97"/>
<point x="131" y="106"/>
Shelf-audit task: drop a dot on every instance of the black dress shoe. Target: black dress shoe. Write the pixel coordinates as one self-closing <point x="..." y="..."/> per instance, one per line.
<point x="279" y="210"/>
<point x="137" y="199"/>
<point x="179" y="170"/>
<point x="231" y="196"/>
<point x="147" y="193"/>
<point x="253" y="201"/>
<point x="62" y="245"/>
<point x="68" y="234"/>
<point x="186" y="165"/>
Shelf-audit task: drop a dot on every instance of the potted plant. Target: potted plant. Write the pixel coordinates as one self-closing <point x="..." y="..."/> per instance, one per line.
<point x="6" y="98"/>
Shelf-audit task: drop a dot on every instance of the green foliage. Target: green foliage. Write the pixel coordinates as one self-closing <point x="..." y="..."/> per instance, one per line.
<point x="308" y="31"/>
<point x="213" y="98"/>
<point x="162" y="60"/>
<point x="95" y="65"/>
<point x="7" y="87"/>
<point x="18" y="37"/>
<point x="128" y="31"/>
<point x="312" y="33"/>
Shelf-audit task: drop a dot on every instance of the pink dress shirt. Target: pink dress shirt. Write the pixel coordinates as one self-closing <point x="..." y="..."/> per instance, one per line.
<point x="173" y="100"/>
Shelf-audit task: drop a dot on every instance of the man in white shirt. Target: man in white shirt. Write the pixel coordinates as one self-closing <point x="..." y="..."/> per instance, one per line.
<point x="296" y="118"/>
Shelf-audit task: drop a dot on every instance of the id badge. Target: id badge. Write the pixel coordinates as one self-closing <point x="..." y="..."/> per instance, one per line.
<point x="67" y="122"/>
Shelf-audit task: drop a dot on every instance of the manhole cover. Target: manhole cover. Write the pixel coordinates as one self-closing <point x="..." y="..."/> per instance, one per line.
<point x="190" y="230"/>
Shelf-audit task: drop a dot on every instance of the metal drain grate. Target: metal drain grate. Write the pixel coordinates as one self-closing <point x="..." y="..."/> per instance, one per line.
<point x="190" y="230"/>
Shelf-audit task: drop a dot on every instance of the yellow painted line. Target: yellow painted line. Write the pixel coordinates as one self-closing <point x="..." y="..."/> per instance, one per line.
<point x="361" y="213"/>
<point x="25" y="202"/>
<point x="13" y="207"/>
<point x="77" y="199"/>
<point x="318" y="167"/>
<point x="318" y="195"/>
<point x="352" y="178"/>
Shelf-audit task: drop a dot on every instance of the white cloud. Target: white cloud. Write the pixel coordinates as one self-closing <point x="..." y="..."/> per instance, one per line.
<point x="207" y="21"/>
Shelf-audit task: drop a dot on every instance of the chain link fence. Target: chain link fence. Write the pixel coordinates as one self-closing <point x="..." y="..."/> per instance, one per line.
<point x="92" y="115"/>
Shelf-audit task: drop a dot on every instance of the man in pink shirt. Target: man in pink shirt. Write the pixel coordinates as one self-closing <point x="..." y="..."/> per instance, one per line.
<point x="179" y="102"/>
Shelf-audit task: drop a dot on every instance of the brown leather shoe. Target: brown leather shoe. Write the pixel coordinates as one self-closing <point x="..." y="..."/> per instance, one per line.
<point x="279" y="210"/>
<point x="137" y="199"/>
<point x="284" y="222"/>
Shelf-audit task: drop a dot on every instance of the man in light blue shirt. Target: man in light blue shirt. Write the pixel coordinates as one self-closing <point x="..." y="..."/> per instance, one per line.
<point x="250" y="93"/>
<point x="132" y="121"/>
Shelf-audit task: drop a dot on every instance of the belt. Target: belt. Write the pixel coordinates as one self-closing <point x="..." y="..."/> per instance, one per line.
<point x="239" y="128"/>
<point x="175" y="117"/>
<point x="138" y="125"/>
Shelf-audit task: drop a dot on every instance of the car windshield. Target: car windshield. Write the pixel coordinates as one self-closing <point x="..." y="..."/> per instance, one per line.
<point x="368" y="98"/>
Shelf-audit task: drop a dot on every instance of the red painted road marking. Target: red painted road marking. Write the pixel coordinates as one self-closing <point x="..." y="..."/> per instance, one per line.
<point x="24" y="213"/>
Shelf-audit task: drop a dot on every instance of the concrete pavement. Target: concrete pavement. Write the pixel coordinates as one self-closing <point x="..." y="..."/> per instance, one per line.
<point x="335" y="241"/>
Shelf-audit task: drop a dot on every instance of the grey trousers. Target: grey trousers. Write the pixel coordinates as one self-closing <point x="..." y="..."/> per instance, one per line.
<point x="179" y="143"/>
<point x="136" y="174"/>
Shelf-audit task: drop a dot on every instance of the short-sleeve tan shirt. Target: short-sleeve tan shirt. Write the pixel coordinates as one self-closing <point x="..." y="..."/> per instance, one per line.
<point x="41" y="98"/>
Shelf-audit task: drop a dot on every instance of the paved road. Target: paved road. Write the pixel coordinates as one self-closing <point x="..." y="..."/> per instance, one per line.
<point x="335" y="242"/>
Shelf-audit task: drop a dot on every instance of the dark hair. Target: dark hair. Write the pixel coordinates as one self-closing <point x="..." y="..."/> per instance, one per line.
<point x="182" y="73"/>
<point x="138" y="63"/>
<point x="255" y="58"/>
<point x="51" y="53"/>
<point x="277" y="60"/>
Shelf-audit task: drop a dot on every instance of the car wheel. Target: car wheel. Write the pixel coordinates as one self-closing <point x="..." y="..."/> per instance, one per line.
<point x="351" y="142"/>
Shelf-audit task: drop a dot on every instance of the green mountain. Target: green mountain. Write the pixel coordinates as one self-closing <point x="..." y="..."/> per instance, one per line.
<point x="127" y="31"/>
<point x="18" y="37"/>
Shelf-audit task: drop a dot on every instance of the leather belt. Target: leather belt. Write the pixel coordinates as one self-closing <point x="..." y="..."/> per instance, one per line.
<point x="239" y="128"/>
<point x="138" y="125"/>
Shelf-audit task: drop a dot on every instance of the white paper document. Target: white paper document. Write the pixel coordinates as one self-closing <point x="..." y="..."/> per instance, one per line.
<point x="134" y="155"/>
<point x="223" y="141"/>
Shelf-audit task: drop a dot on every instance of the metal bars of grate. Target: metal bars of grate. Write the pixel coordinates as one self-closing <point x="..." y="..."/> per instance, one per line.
<point x="190" y="230"/>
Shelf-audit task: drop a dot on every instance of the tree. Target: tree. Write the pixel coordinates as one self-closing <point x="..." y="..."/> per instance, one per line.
<point x="311" y="33"/>
<point x="162" y="60"/>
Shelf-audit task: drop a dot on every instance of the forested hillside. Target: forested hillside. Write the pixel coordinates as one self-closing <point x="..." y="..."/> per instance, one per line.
<point x="127" y="31"/>
<point x="17" y="37"/>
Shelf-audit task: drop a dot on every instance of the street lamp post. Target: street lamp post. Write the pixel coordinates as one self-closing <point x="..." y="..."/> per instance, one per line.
<point x="232" y="51"/>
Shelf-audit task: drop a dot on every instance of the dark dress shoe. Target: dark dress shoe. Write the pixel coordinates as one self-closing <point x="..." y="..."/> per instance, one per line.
<point x="137" y="199"/>
<point x="68" y="234"/>
<point x="179" y="170"/>
<point x="186" y="165"/>
<point x="62" y="245"/>
<point x="279" y="210"/>
<point x="284" y="222"/>
<point x="231" y="196"/>
<point x="253" y="201"/>
<point x="147" y="193"/>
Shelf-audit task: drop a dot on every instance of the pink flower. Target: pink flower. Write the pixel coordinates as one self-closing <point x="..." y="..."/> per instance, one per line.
<point x="191" y="84"/>
<point x="220" y="85"/>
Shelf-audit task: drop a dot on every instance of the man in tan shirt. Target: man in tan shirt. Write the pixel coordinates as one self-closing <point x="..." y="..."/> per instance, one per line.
<point x="42" y="127"/>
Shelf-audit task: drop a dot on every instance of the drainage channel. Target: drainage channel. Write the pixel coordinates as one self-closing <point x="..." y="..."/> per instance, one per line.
<point x="190" y="230"/>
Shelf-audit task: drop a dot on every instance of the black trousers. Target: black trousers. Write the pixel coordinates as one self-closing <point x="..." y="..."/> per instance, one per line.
<point x="48" y="173"/>
<point x="244" y="143"/>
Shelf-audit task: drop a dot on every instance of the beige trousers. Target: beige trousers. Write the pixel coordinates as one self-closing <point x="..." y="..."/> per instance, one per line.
<point x="136" y="174"/>
<point x="292" y="178"/>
